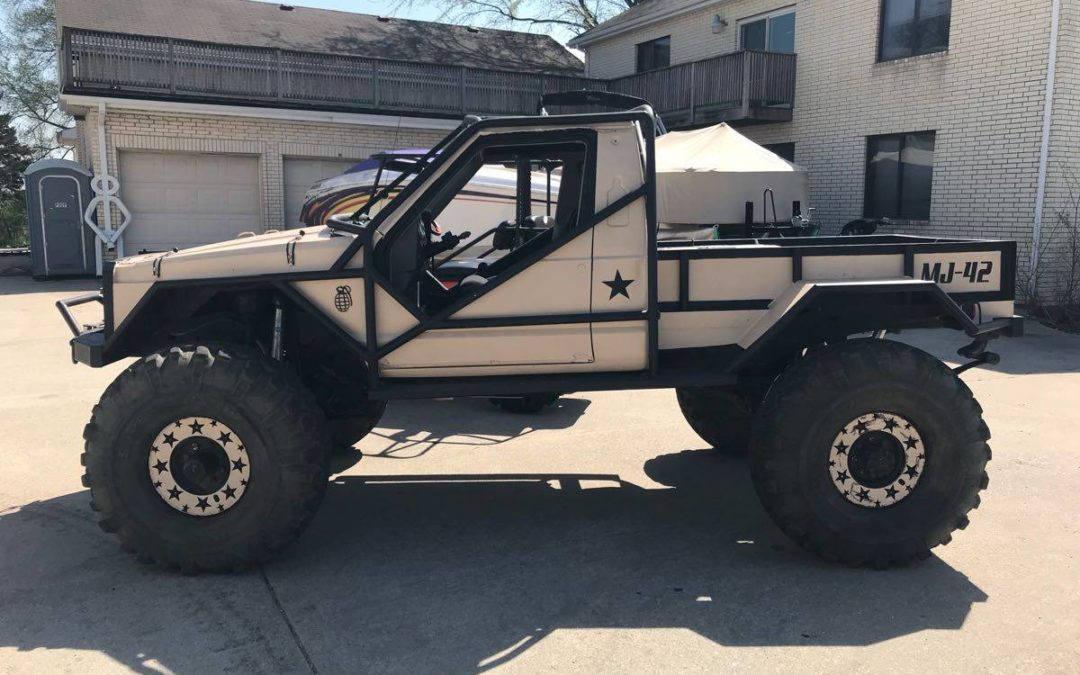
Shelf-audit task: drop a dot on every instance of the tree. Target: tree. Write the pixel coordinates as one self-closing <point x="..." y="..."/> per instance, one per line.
<point x="28" y="73"/>
<point x="14" y="158"/>
<point x="572" y="16"/>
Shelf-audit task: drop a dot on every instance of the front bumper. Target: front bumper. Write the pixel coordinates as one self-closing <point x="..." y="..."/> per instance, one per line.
<point x="89" y="348"/>
<point x="88" y="345"/>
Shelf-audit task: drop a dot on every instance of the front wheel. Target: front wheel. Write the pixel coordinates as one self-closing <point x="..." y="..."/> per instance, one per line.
<point x="206" y="458"/>
<point x="870" y="452"/>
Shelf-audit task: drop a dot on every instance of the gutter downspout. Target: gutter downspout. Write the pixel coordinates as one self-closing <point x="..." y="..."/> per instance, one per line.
<point x="103" y="170"/>
<point x="1044" y="148"/>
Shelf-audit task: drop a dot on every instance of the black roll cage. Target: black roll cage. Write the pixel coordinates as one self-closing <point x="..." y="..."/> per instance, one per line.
<point x="108" y="344"/>
<point x="110" y="347"/>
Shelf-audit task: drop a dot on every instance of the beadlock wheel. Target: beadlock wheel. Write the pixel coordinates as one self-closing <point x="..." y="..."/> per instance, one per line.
<point x="876" y="460"/>
<point x="199" y="466"/>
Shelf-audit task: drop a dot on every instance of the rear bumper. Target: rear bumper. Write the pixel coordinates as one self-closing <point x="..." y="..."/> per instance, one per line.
<point x="1008" y="326"/>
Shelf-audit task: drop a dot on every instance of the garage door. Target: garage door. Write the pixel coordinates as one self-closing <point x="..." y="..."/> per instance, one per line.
<point x="182" y="200"/>
<point x="300" y="173"/>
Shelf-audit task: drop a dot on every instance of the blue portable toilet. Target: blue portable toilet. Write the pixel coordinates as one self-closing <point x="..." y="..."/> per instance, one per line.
<point x="61" y="244"/>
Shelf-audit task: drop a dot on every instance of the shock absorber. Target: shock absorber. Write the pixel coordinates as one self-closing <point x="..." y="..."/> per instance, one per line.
<point x="279" y="326"/>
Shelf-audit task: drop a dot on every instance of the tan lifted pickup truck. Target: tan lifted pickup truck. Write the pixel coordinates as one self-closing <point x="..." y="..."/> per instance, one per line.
<point x="255" y="356"/>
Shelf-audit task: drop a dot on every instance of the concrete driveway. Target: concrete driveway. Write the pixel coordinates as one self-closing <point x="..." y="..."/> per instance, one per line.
<point x="597" y="537"/>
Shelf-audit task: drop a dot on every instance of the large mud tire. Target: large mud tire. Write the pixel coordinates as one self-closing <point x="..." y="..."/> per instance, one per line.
<point x="722" y="417"/>
<point x="348" y="431"/>
<point x="811" y="419"/>
<point x="284" y="440"/>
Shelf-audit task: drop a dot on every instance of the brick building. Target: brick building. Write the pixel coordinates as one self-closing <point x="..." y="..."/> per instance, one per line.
<point x="933" y="113"/>
<point x="217" y="115"/>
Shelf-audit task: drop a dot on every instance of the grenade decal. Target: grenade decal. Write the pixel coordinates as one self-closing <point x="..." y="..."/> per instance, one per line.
<point x="343" y="298"/>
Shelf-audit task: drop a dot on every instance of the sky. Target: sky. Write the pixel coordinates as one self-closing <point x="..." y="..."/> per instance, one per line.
<point x="424" y="11"/>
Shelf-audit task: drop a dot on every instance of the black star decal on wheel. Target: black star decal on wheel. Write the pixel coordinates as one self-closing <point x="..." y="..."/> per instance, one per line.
<point x="225" y="438"/>
<point x="239" y="464"/>
<point x="841" y="448"/>
<point x="174" y="493"/>
<point x="213" y="423"/>
<point x="244" y="482"/>
<point x="203" y="504"/>
<point x="185" y="508"/>
<point x="890" y="424"/>
<point x="161" y="467"/>
<point x="170" y="439"/>
<point x="912" y="472"/>
<point x="862" y="427"/>
<point x="864" y="494"/>
<point x="890" y="492"/>
<point x="619" y="286"/>
<point x="157" y="483"/>
<point x="196" y="428"/>
<point x="911" y="443"/>
<point x="230" y="492"/>
<point x="842" y="476"/>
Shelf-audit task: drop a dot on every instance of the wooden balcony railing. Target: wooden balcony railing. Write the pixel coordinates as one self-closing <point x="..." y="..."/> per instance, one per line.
<point x="739" y="86"/>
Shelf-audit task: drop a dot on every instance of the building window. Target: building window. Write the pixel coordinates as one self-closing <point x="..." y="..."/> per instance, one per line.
<point x="654" y="54"/>
<point x="913" y="27"/>
<point x="899" y="173"/>
<point x="773" y="32"/>
<point x="785" y="150"/>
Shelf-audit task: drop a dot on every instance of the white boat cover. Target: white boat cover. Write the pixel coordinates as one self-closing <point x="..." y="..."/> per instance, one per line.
<point x="706" y="176"/>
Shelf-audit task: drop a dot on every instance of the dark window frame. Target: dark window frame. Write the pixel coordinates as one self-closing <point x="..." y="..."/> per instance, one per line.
<point x="881" y="58"/>
<point x="775" y="148"/>
<point x="868" y="183"/>
<point x="650" y="44"/>
<point x="767" y="18"/>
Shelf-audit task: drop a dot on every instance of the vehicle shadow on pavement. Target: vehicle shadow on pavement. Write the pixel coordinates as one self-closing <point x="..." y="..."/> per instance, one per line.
<point x="472" y="422"/>
<point x="461" y="573"/>
<point x="20" y="285"/>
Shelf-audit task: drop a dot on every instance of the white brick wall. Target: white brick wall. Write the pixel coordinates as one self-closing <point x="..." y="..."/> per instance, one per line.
<point x="691" y="34"/>
<point x="984" y="98"/>
<point x="269" y="139"/>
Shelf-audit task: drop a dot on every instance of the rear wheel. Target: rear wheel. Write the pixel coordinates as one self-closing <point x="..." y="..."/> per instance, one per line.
<point x="206" y="458"/>
<point x="721" y="417"/>
<point x="870" y="452"/>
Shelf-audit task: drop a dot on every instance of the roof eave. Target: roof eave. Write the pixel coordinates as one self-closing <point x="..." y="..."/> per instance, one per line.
<point x="601" y="33"/>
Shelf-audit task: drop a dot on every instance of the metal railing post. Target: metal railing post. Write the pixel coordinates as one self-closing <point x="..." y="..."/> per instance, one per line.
<point x="375" y="83"/>
<point x="172" y="66"/>
<point x="745" y="84"/>
<point x="461" y="87"/>
<point x="693" y="91"/>
<point x="66" y="59"/>
<point x="279" y="88"/>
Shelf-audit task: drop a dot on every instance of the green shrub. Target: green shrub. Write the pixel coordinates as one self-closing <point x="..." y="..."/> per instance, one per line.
<point x="13" y="227"/>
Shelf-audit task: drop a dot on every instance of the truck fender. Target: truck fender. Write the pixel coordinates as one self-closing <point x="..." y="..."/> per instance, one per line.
<point x="811" y="312"/>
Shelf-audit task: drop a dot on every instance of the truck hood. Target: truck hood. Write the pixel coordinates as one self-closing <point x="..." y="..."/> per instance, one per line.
<point x="300" y="250"/>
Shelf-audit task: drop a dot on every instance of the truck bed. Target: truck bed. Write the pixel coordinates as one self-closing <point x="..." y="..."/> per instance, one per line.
<point x="723" y="287"/>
